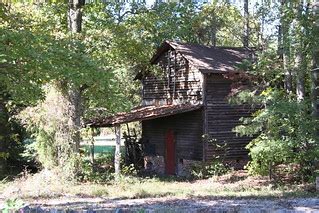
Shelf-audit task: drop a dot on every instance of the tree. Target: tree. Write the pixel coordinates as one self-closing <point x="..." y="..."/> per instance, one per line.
<point x="214" y="25"/>
<point x="284" y="130"/>
<point x="37" y="59"/>
<point x="69" y="99"/>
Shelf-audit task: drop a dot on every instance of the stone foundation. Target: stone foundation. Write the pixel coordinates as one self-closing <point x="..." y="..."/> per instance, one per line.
<point x="154" y="164"/>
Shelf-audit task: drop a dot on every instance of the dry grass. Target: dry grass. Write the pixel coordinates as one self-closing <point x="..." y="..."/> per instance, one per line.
<point x="2" y="186"/>
<point x="48" y="185"/>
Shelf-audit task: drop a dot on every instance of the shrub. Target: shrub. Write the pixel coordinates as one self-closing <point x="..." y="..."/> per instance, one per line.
<point x="101" y="171"/>
<point x="285" y="133"/>
<point x="103" y="168"/>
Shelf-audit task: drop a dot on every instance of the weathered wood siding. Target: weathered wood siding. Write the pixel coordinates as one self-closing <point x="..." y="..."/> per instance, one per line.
<point x="222" y="117"/>
<point x="188" y="129"/>
<point x="177" y="84"/>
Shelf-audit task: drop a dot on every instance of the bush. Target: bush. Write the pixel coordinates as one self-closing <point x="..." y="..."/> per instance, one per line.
<point x="12" y="161"/>
<point x="285" y="133"/>
<point x="265" y="153"/>
<point x="103" y="168"/>
<point x="101" y="171"/>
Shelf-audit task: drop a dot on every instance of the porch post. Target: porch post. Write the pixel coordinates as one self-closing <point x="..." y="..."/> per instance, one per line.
<point x="117" y="158"/>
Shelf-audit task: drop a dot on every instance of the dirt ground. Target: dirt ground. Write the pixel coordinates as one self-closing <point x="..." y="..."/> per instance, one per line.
<point x="77" y="204"/>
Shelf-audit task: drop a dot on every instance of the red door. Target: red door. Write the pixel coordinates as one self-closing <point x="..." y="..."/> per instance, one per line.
<point x="170" y="153"/>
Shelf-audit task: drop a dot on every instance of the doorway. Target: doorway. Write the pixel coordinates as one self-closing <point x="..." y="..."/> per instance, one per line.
<point x="170" y="160"/>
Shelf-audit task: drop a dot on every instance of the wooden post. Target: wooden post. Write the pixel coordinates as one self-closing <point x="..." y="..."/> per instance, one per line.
<point x="205" y="123"/>
<point x="117" y="150"/>
<point x="92" y="151"/>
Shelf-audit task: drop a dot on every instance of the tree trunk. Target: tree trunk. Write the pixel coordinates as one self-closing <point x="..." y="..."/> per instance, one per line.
<point x="74" y="113"/>
<point x="213" y="36"/>
<point x="315" y="64"/>
<point x="261" y="30"/>
<point x="74" y="93"/>
<point x="3" y="135"/>
<point x="285" y="50"/>
<point x="64" y="111"/>
<point x="300" y="65"/>
<point x="213" y="31"/>
<point x="315" y="84"/>
<point x="288" y="75"/>
<point x="75" y="15"/>
<point x="300" y="74"/>
<point x="280" y="42"/>
<point x="246" y="27"/>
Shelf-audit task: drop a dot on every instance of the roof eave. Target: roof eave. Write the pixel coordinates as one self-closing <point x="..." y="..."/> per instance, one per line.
<point x="214" y="71"/>
<point x="111" y="120"/>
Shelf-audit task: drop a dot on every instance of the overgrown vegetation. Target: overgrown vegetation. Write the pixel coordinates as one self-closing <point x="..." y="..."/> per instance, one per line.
<point x="285" y="124"/>
<point x="215" y="167"/>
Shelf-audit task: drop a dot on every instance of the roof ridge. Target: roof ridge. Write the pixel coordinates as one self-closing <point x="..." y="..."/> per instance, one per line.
<point x="208" y="46"/>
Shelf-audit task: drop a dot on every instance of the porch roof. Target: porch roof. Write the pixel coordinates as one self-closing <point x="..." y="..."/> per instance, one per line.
<point x="142" y="113"/>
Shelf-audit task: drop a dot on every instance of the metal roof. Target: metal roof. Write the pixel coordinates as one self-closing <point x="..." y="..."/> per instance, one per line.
<point x="142" y="113"/>
<point x="207" y="59"/>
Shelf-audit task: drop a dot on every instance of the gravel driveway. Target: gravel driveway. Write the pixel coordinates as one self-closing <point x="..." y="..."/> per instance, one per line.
<point x="69" y="204"/>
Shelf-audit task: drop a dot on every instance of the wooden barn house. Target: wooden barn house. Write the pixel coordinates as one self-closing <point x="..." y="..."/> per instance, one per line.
<point x="184" y="104"/>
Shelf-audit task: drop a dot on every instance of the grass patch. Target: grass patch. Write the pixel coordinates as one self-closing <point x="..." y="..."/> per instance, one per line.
<point x="100" y="192"/>
<point x="49" y="185"/>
